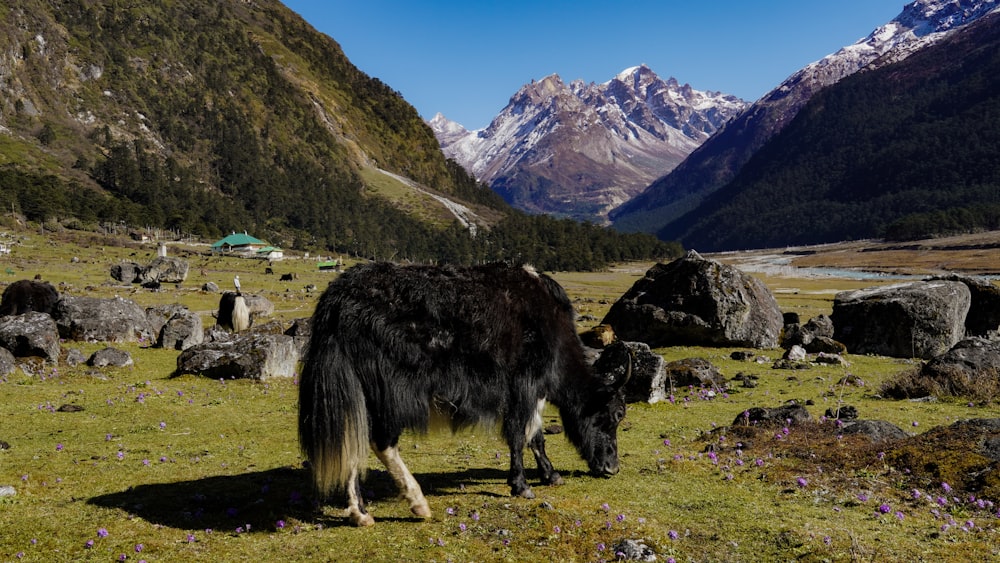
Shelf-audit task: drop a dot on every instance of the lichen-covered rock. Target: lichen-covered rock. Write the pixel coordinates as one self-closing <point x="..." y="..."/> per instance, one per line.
<point x="93" y="319"/>
<point x="30" y="334"/>
<point x="164" y="269"/>
<point x="698" y="302"/>
<point x="110" y="357"/>
<point x="911" y="320"/>
<point x="983" y="318"/>
<point x="970" y="368"/>
<point x="250" y="356"/>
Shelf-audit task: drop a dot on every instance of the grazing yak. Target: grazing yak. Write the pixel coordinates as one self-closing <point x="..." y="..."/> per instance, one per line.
<point x="393" y="347"/>
<point x="25" y="296"/>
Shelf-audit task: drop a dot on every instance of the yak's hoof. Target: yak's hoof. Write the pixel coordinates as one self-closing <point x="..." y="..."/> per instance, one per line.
<point x="362" y="520"/>
<point x="421" y="511"/>
<point x="526" y="493"/>
<point x="554" y="479"/>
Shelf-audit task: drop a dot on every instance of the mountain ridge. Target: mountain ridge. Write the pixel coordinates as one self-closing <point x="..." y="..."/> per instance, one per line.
<point x="578" y="149"/>
<point x="717" y="161"/>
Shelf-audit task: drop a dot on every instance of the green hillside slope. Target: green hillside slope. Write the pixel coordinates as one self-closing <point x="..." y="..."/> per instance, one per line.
<point x="909" y="150"/>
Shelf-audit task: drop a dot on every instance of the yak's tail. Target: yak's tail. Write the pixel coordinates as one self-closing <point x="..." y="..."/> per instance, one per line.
<point x="333" y="417"/>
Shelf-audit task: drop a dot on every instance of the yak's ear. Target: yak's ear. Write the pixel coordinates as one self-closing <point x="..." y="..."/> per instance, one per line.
<point x="614" y="366"/>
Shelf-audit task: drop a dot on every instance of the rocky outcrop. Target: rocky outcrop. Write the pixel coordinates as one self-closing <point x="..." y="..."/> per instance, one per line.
<point x="697" y="302"/>
<point x="912" y="320"/>
<point x="101" y="320"/>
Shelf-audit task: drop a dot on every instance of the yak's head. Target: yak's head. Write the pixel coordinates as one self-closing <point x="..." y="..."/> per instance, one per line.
<point x="593" y="428"/>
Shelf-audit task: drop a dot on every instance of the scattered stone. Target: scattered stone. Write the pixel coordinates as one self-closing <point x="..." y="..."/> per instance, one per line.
<point x="110" y="357"/>
<point x="7" y="491"/>
<point x="633" y="550"/>
<point x="846" y="412"/>
<point x="777" y="416"/>
<point x="831" y="359"/>
<point x="742" y="356"/>
<point x="795" y="354"/>
<point x="693" y="371"/>
<point x="784" y="363"/>
<point x="181" y="331"/>
<point x="7" y="362"/>
<point x="877" y="430"/>
<point x="553" y="429"/>
<point x="70" y="408"/>
<point x="210" y="287"/>
<point x="75" y="357"/>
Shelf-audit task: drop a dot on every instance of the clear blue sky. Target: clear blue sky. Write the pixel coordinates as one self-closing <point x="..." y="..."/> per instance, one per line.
<point x="466" y="58"/>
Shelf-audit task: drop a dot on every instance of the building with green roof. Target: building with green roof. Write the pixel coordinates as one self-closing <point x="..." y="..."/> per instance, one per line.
<point x="238" y="243"/>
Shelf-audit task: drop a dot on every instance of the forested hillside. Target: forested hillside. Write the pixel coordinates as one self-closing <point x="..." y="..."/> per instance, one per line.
<point x="909" y="150"/>
<point x="208" y="116"/>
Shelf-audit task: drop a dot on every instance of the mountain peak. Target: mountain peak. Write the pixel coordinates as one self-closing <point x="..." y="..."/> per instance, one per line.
<point x="578" y="149"/>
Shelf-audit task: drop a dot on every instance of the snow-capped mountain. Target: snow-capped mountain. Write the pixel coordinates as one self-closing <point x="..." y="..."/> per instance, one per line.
<point x="717" y="161"/>
<point x="581" y="149"/>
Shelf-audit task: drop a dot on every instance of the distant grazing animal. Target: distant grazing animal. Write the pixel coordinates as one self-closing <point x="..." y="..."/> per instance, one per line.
<point x="287" y="277"/>
<point x="394" y="346"/>
<point x="24" y="296"/>
<point x="268" y="270"/>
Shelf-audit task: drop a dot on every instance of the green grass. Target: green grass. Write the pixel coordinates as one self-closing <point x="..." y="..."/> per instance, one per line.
<point x="191" y="468"/>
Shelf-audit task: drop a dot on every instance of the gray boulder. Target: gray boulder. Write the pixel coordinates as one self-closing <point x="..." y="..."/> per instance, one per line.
<point x="126" y="272"/>
<point x="101" y="320"/>
<point x="984" y="311"/>
<point x="160" y="314"/>
<point x="698" y="302"/>
<point x="918" y="319"/>
<point x="181" y="331"/>
<point x="110" y="357"/>
<point x="164" y="269"/>
<point x="258" y="305"/>
<point x="30" y="334"/>
<point x="693" y="371"/>
<point x="7" y="362"/>
<point x="210" y="287"/>
<point x="971" y="364"/>
<point x="876" y="430"/>
<point x="776" y="416"/>
<point x="803" y="334"/>
<point x="250" y="356"/>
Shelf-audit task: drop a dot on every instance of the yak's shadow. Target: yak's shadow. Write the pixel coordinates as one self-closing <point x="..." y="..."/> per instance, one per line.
<point x="260" y="501"/>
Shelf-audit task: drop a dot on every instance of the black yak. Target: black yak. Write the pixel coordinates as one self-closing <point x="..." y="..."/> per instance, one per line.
<point x="394" y="346"/>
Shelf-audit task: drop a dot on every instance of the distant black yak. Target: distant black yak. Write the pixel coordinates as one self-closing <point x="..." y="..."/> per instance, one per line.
<point x="394" y="346"/>
<point x="24" y="296"/>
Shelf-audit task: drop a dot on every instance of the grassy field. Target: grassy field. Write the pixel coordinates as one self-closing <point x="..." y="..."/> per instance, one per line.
<point x="150" y="467"/>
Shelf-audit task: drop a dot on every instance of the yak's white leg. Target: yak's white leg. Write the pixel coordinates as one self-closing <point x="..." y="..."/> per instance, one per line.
<point x="355" y="505"/>
<point x="408" y="486"/>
